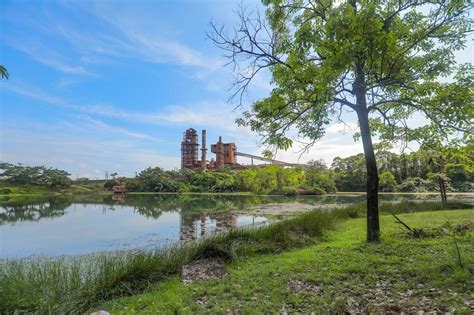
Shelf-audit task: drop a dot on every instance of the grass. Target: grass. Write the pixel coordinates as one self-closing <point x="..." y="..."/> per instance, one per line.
<point x="341" y="275"/>
<point x="24" y="190"/>
<point x="77" y="284"/>
<point x="27" y="190"/>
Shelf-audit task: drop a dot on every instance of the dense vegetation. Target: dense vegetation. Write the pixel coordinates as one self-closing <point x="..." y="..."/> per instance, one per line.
<point x="272" y="179"/>
<point x="414" y="172"/>
<point x="34" y="175"/>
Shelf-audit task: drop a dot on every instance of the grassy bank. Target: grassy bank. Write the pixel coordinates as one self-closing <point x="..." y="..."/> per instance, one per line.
<point x="80" y="283"/>
<point x="29" y="190"/>
<point x="341" y="275"/>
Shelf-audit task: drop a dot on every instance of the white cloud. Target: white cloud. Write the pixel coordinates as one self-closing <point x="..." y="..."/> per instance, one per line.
<point x="117" y="130"/>
<point x="45" y="55"/>
<point x="85" y="154"/>
<point x="342" y="127"/>
<point x="209" y="114"/>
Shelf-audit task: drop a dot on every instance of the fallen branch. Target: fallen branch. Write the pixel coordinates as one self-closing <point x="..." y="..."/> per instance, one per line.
<point x="402" y="223"/>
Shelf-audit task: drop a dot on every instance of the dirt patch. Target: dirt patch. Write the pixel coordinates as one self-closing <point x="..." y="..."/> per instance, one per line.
<point x="203" y="269"/>
<point x="299" y="286"/>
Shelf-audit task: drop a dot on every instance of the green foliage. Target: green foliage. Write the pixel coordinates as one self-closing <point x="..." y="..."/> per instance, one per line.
<point x="34" y="175"/>
<point x="415" y="184"/>
<point x="350" y="173"/>
<point x="382" y="58"/>
<point x="387" y="182"/>
<point x="414" y="172"/>
<point x="265" y="179"/>
<point x="157" y="180"/>
<point x="4" y="72"/>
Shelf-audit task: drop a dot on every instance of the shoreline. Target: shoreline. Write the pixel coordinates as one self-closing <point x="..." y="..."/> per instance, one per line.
<point x="341" y="193"/>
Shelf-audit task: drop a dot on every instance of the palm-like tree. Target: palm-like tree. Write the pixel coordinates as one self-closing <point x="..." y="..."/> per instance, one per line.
<point x="3" y="72"/>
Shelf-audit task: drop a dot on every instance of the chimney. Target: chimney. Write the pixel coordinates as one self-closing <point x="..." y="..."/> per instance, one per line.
<point x="203" y="150"/>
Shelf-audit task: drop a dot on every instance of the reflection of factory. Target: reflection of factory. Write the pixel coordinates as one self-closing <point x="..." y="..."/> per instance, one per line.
<point x="226" y="153"/>
<point x="196" y="225"/>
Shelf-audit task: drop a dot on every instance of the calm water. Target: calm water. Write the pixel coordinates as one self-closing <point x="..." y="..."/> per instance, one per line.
<point x="70" y="226"/>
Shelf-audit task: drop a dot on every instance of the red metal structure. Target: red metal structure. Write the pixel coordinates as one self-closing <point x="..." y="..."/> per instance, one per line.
<point x="189" y="149"/>
<point x="226" y="154"/>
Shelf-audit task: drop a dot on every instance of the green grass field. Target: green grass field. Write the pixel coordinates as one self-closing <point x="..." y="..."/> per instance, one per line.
<point x="340" y="275"/>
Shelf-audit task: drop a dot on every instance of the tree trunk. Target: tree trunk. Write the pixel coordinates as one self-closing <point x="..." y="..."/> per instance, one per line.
<point x="373" y="227"/>
<point x="359" y="88"/>
<point x="442" y="189"/>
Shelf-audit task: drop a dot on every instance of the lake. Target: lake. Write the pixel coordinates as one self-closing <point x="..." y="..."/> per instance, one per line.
<point x="56" y="226"/>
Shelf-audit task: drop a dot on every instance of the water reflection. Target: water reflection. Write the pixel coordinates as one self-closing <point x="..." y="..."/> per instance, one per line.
<point x="32" y="210"/>
<point x="84" y="224"/>
<point x="194" y="225"/>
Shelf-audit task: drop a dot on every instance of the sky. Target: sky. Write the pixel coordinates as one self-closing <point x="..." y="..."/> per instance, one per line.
<point x="100" y="86"/>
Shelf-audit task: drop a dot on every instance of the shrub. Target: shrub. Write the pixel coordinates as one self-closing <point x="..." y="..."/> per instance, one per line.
<point x="415" y="184"/>
<point x="387" y="182"/>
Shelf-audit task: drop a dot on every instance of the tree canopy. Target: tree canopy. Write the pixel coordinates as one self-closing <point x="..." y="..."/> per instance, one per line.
<point x="383" y="60"/>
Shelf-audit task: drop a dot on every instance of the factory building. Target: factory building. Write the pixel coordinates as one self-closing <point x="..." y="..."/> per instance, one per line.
<point x="226" y="154"/>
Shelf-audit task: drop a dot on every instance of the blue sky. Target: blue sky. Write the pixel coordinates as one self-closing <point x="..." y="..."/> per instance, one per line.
<point x="111" y="85"/>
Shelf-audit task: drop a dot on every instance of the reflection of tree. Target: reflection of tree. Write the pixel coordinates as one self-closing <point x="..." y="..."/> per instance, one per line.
<point x="193" y="207"/>
<point x="15" y="210"/>
<point x="194" y="224"/>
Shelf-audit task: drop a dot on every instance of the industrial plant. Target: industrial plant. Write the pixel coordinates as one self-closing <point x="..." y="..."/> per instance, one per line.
<point x="225" y="154"/>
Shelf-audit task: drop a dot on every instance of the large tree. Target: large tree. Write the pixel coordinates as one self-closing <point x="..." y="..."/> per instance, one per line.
<point x="382" y="60"/>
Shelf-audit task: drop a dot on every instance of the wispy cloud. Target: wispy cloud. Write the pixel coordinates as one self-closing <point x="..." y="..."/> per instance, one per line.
<point x="204" y="113"/>
<point x="143" y="36"/>
<point x="46" y="55"/>
<point x="85" y="149"/>
<point x="98" y="124"/>
<point x="119" y="32"/>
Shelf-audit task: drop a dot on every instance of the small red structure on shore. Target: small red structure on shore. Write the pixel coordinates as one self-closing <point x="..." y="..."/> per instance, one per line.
<point x="119" y="189"/>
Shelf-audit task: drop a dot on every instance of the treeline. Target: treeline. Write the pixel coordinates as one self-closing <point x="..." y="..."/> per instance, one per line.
<point x="413" y="172"/>
<point x="418" y="171"/>
<point x="316" y="178"/>
<point x="34" y="175"/>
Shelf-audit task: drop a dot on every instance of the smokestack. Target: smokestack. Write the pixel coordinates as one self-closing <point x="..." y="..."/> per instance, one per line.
<point x="203" y="150"/>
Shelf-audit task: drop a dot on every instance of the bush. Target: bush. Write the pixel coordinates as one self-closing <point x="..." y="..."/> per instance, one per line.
<point x="5" y="191"/>
<point x="35" y="175"/>
<point x="387" y="182"/>
<point x="285" y="191"/>
<point x="132" y="185"/>
<point x="307" y="190"/>
<point x="415" y="184"/>
<point x="110" y="183"/>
